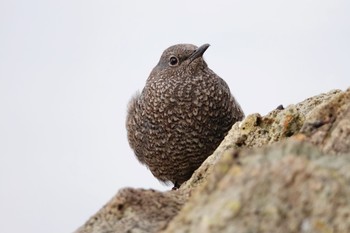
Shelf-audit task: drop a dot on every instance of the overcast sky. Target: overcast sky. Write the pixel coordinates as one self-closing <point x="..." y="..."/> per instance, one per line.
<point x="68" y="69"/>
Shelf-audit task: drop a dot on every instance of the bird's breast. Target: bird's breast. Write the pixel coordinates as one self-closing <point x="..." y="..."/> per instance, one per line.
<point x="187" y="100"/>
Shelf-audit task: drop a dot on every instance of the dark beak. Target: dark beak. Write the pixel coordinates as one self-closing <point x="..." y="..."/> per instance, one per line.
<point x="198" y="53"/>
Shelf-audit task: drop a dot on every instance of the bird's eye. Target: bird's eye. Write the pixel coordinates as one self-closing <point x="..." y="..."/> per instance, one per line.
<point x="173" y="61"/>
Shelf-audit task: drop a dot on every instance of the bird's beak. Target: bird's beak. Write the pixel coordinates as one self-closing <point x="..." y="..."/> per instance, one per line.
<point x="198" y="53"/>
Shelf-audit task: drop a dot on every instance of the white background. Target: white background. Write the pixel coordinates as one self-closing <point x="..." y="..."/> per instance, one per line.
<point x="68" y="69"/>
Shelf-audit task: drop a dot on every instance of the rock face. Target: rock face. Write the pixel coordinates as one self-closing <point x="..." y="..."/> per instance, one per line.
<point x="288" y="171"/>
<point x="135" y="210"/>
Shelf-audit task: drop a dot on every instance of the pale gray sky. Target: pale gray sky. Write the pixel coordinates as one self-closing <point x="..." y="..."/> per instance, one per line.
<point x="68" y="69"/>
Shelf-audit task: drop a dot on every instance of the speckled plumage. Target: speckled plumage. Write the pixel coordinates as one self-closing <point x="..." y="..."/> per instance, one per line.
<point x="182" y="114"/>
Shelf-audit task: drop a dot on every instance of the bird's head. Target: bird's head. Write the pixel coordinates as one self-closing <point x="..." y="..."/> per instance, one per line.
<point x="181" y="58"/>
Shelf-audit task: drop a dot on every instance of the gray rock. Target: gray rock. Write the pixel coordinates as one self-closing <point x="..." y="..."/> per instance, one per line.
<point x="135" y="211"/>
<point x="288" y="171"/>
<point x="288" y="187"/>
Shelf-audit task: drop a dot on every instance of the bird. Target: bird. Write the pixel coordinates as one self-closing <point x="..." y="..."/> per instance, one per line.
<point x="182" y="114"/>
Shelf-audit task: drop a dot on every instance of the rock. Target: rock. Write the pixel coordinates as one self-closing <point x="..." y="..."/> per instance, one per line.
<point x="328" y="125"/>
<point x="135" y="210"/>
<point x="288" y="171"/>
<point x="289" y="187"/>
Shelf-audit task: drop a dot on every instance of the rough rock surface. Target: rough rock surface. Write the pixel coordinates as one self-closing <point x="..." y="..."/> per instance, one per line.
<point x="288" y="188"/>
<point x="135" y="210"/>
<point x="288" y="171"/>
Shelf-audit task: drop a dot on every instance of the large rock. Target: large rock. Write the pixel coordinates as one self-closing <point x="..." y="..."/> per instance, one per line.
<point x="290" y="187"/>
<point x="288" y="171"/>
